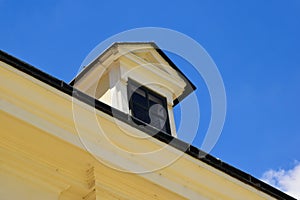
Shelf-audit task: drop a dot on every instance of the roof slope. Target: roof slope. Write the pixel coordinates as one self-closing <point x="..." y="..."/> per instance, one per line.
<point x="176" y="143"/>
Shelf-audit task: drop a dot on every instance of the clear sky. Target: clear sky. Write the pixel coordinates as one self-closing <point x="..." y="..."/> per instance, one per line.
<point x="255" y="44"/>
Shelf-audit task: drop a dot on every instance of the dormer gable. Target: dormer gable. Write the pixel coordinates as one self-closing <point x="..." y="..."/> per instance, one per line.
<point x="137" y="79"/>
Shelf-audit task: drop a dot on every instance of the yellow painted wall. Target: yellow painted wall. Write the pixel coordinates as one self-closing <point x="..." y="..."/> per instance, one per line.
<point x="43" y="157"/>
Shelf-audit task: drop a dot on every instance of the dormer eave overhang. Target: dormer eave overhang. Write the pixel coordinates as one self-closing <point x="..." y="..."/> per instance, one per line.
<point x="118" y="49"/>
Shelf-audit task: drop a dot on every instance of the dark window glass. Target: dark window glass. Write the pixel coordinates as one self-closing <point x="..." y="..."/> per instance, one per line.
<point x="140" y="113"/>
<point x="148" y="107"/>
<point x="139" y="99"/>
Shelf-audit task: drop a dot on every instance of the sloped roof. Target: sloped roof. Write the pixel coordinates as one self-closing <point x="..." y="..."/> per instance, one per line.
<point x="190" y="87"/>
<point x="176" y="143"/>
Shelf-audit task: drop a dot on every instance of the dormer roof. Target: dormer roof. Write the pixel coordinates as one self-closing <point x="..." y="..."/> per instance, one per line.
<point x="147" y="54"/>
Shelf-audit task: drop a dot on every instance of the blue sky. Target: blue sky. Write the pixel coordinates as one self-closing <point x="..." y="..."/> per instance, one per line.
<point x="255" y="45"/>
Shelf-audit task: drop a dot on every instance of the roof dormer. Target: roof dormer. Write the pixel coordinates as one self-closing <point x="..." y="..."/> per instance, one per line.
<point x="137" y="79"/>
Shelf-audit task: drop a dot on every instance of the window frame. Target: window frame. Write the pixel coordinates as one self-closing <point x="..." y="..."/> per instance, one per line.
<point x="148" y="92"/>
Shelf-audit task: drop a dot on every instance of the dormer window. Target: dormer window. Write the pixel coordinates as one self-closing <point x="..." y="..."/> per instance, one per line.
<point x="148" y="107"/>
<point x="117" y="78"/>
